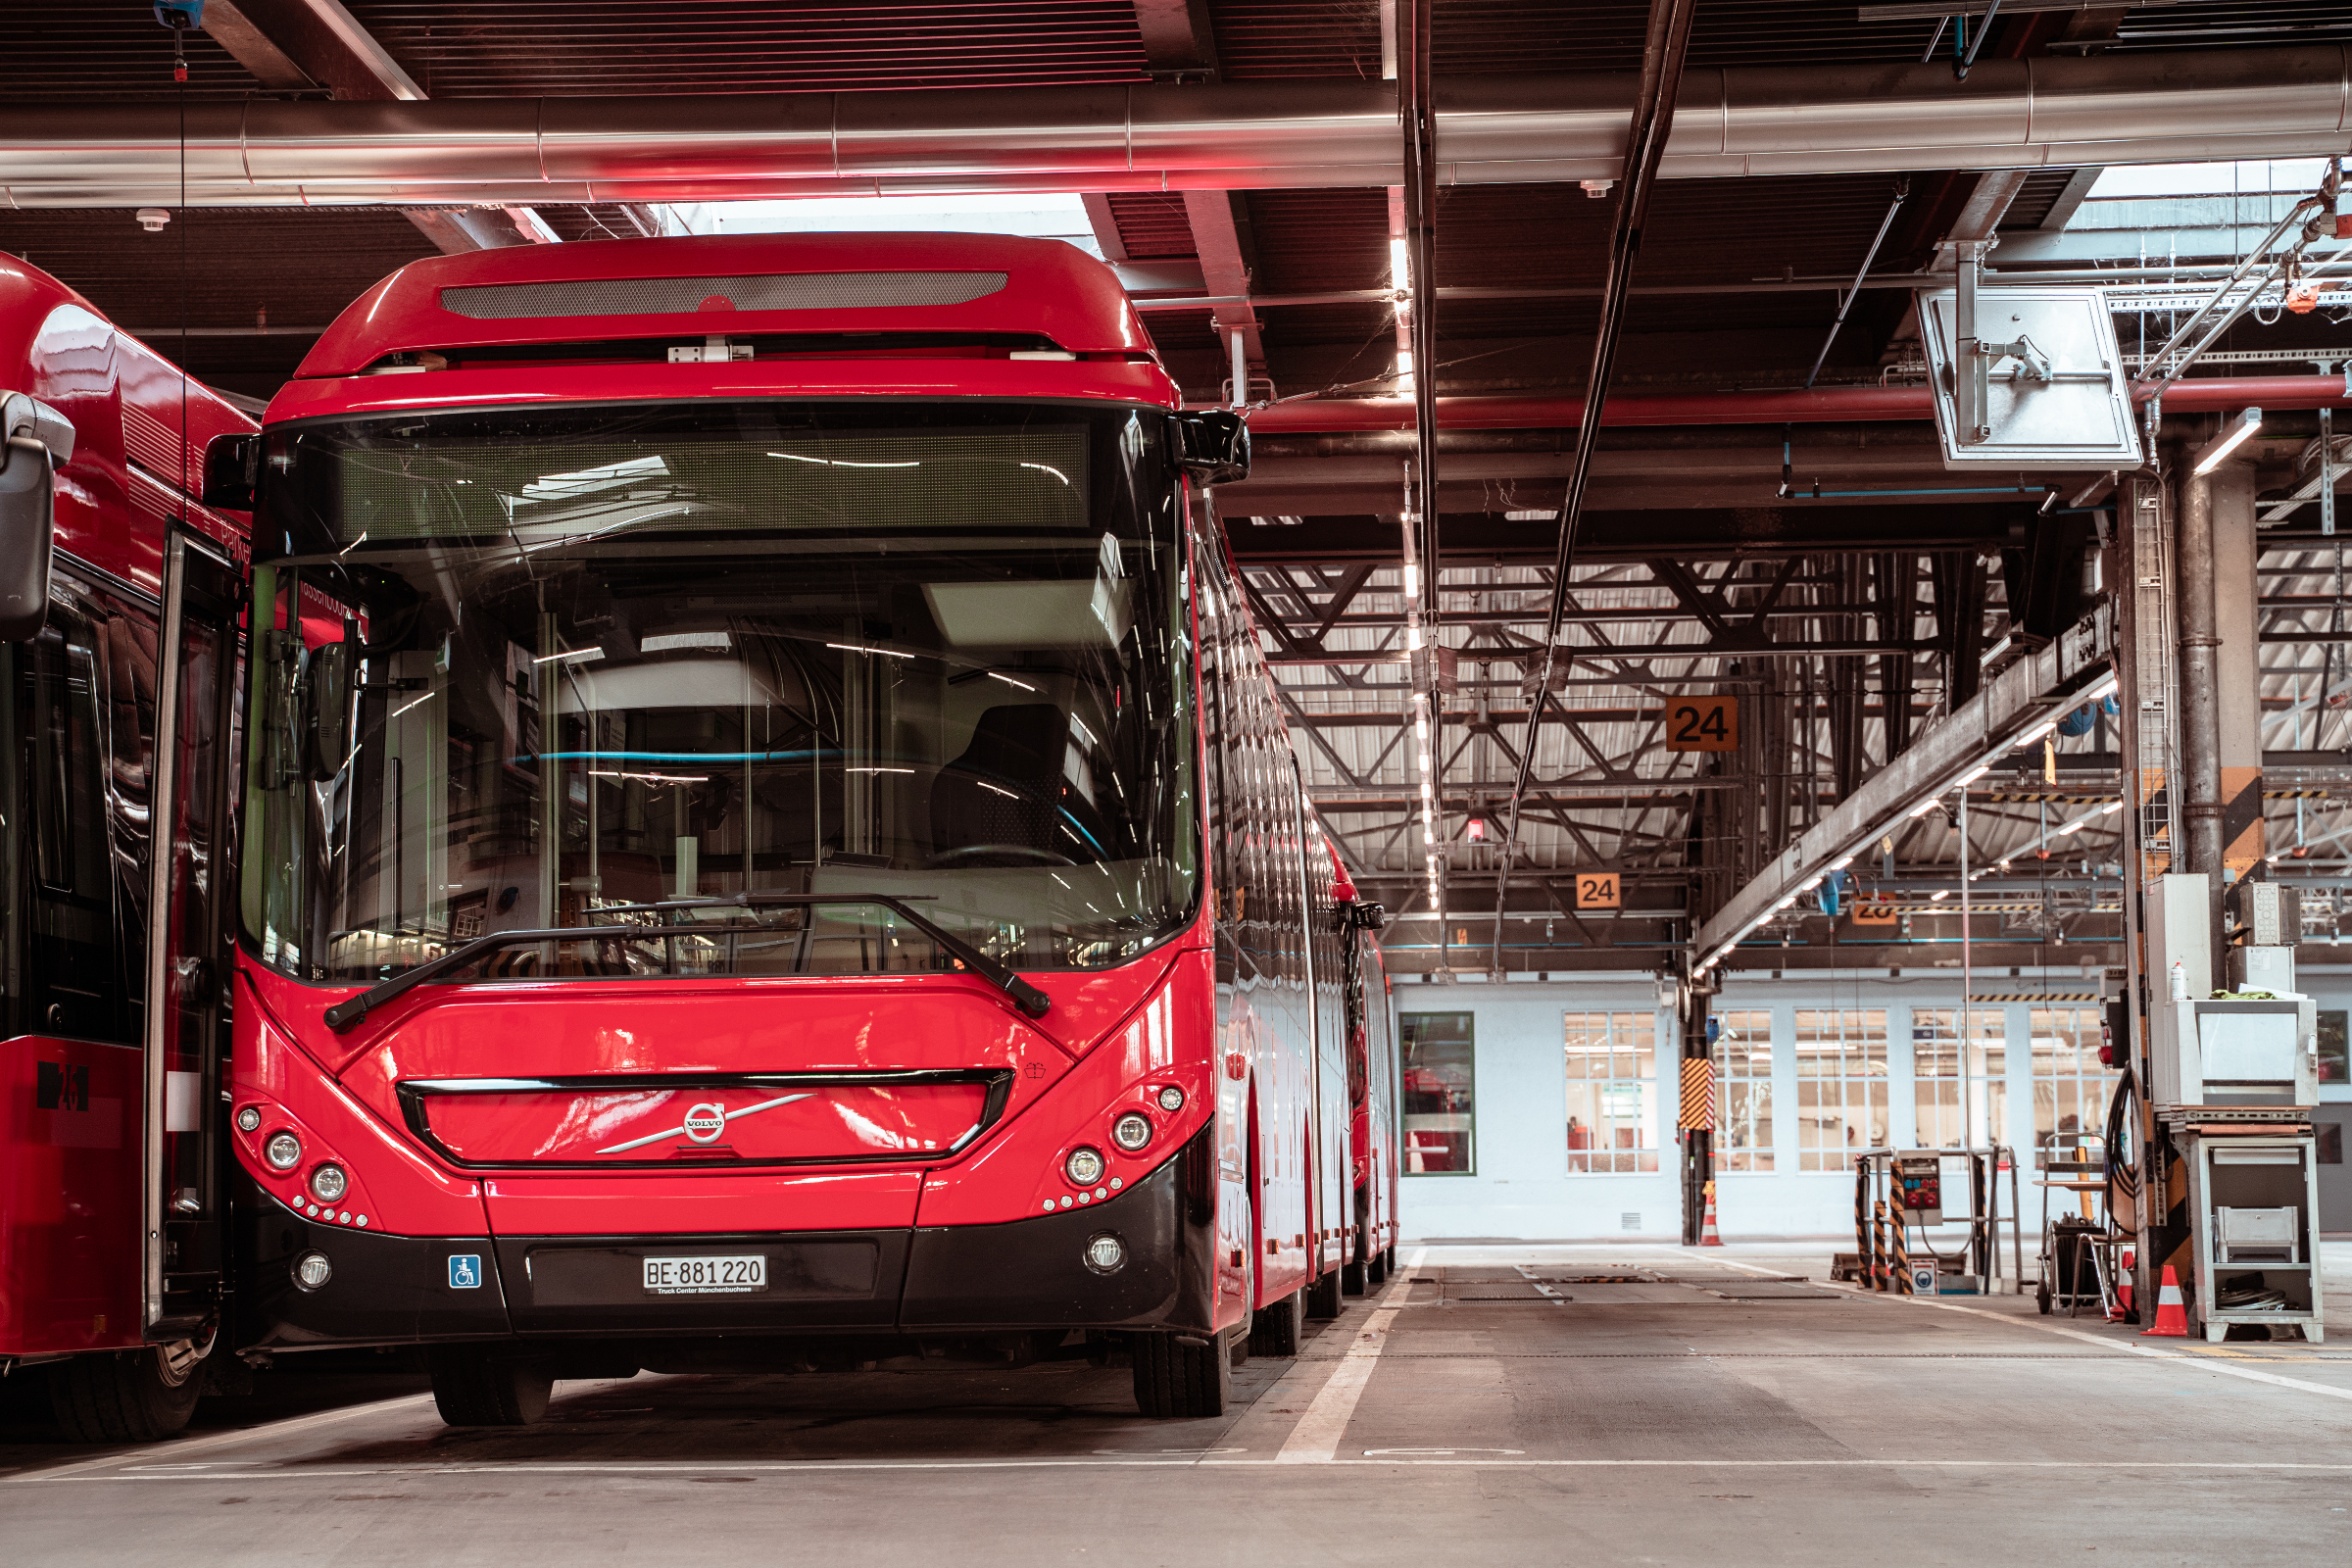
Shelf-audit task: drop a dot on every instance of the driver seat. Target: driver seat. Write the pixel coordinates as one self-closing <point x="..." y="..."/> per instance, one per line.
<point x="1018" y="750"/>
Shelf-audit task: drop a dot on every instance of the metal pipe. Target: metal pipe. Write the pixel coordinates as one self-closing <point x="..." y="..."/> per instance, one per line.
<point x="1665" y="47"/>
<point x="1871" y="403"/>
<point x="1902" y="192"/>
<point x="2200" y="684"/>
<point x="1501" y="129"/>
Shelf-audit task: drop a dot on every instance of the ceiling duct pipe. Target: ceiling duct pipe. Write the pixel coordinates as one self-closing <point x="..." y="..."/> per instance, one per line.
<point x="1836" y="405"/>
<point x="1502" y="129"/>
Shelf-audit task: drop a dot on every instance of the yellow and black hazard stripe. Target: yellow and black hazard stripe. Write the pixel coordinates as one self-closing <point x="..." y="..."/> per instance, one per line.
<point x="2241" y="819"/>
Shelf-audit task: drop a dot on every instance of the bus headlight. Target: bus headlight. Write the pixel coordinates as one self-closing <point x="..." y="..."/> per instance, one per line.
<point x="1131" y="1132"/>
<point x="284" y="1151"/>
<point x="249" y="1119"/>
<point x="329" y="1182"/>
<point x="1171" y="1100"/>
<point x="1084" y="1167"/>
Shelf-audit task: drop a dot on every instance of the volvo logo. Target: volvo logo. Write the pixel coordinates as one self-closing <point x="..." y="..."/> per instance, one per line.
<point x="704" y="1123"/>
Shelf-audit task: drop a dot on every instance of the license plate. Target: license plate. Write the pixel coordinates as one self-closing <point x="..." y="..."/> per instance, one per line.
<point x="705" y="1276"/>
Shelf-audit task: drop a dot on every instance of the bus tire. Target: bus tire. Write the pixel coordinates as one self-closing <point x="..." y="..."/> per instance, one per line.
<point x="1356" y="1275"/>
<point x="1323" y="1297"/>
<point x="1377" y="1271"/>
<point x="1278" y="1329"/>
<point x="1183" y="1377"/>
<point x="128" y="1396"/>
<point x="474" y="1385"/>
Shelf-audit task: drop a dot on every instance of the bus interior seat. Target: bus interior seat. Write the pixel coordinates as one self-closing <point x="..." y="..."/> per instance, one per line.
<point x="1018" y="748"/>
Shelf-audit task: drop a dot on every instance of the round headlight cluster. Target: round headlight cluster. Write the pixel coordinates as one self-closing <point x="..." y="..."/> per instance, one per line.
<point x="312" y="1270"/>
<point x="328" y="1183"/>
<point x="249" y="1119"/>
<point x="1171" y="1100"/>
<point x="1084" y="1166"/>
<point x="1131" y="1132"/>
<point x="284" y="1151"/>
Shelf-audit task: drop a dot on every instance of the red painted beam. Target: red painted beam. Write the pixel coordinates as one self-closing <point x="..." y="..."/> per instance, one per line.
<point x="1825" y="405"/>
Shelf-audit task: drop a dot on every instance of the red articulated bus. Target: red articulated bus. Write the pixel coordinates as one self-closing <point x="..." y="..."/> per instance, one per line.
<point x="769" y="840"/>
<point x="118" y="650"/>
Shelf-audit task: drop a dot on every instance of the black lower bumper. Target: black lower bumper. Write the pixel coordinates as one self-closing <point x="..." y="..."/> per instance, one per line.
<point x="381" y="1289"/>
<point x="1029" y="1274"/>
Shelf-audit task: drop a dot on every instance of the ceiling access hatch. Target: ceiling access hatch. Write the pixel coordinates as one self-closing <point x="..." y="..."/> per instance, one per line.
<point x="2055" y="393"/>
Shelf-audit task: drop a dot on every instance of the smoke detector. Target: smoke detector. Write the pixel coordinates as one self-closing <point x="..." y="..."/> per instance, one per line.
<point x="153" y="219"/>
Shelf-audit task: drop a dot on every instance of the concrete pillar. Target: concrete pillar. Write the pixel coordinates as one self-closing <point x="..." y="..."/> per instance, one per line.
<point x="2237" y="621"/>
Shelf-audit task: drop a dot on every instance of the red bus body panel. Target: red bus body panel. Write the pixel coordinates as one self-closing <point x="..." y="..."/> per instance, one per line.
<point x="71" y="1155"/>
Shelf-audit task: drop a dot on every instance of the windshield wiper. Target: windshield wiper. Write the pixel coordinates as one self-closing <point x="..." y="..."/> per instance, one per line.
<point x="1026" y="997"/>
<point x="345" y="1015"/>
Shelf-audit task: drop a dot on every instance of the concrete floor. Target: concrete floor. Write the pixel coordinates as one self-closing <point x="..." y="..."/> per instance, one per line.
<point x="1498" y="1403"/>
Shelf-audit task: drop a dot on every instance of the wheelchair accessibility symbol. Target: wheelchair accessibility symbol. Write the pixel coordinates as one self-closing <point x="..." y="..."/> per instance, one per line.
<point x="464" y="1271"/>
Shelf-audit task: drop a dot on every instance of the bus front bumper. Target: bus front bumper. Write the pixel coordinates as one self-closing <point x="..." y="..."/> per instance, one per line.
<point x="1045" y="1272"/>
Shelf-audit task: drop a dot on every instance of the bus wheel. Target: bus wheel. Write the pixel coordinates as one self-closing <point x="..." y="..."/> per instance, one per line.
<point x="1181" y="1376"/>
<point x="1276" y="1330"/>
<point x="1377" y="1271"/>
<point x="129" y="1397"/>
<point x="1323" y="1297"/>
<point x="475" y="1386"/>
<point x="1352" y="1275"/>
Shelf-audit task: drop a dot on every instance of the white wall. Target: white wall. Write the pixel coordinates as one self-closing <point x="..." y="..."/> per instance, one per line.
<point x="1522" y="1188"/>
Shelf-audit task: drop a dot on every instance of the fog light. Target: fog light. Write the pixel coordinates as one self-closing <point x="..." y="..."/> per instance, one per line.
<point x="329" y="1182"/>
<point x="1084" y="1166"/>
<point x="249" y="1118"/>
<point x="1131" y="1132"/>
<point x="284" y="1152"/>
<point x="312" y="1270"/>
<point x="1171" y="1100"/>
<point x="1105" y="1253"/>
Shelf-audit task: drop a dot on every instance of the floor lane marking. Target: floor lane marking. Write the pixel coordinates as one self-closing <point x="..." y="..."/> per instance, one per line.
<point x="2149" y="1352"/>
<point x="175" y="1447"/>
<point x="1368" y="1460"/>
<point x="1315" y="1439"/>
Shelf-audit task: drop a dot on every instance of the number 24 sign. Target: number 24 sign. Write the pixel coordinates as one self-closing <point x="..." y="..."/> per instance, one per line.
<point x="1703" y="724"/>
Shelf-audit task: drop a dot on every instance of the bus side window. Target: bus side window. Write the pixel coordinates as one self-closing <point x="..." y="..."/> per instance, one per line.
<point x="73" y="970"/>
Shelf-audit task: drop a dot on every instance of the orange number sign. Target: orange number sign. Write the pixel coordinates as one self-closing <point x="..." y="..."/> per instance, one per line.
<point x="1703" y="724"/>
<point x="1598" y="890"/>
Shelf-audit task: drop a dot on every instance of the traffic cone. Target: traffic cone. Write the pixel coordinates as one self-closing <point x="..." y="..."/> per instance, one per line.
<point x="2171" y="1315"/>
<point x="2123" y="1287"/>
<point x="1706" y="1228"/>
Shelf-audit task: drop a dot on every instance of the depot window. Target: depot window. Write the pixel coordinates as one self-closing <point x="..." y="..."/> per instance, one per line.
<point x="1960" y="1088"/>
<point x="1840" y="1086"/>
<point x="2070" y="1085"/>
<point x="1743" y="1091"/>
<point x="1612" y="1060"/>
<point x="1441" y="1093"/>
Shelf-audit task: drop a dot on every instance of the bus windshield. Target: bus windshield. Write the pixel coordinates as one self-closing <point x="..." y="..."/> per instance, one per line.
<point x="615" y="667"/>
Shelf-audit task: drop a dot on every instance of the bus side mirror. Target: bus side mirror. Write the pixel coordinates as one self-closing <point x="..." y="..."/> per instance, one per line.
<point x="231" y="469"/>
<point x="1367" y="916"/>
<point x="36" y="439"/>
<point x="326" y="706"/>
<point x="1214" y="447"/>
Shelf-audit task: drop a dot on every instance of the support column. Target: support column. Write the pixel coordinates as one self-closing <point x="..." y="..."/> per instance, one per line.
<point x="1698" y="1142"/>
<point x="2200" y="689"/>
<point x="2237" y="621"/>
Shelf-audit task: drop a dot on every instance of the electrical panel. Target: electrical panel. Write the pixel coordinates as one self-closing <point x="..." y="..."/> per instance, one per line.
<point x="2268" y="914"/>
<point x="1919" y="1187"/>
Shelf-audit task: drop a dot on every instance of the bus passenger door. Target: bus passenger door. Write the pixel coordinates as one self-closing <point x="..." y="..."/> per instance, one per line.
<point x="189" y="856"/>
